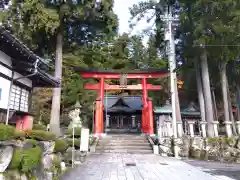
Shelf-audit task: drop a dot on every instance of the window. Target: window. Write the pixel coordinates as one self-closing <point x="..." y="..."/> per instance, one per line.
<point x="19" y="99"/>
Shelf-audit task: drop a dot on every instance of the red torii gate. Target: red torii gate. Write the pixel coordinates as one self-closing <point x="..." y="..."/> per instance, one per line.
<point x="147" y="110"/>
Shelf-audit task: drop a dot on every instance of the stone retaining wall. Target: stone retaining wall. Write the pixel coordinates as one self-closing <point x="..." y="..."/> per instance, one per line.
<point x="218" y="149"/>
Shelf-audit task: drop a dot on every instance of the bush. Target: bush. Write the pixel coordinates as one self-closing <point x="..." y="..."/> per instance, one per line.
<point x="19" y="135"/>
<point x="26" y="160"/>
<point x="39" y="127"/>
<point x="16" y="159"/>
<point x="31" y="159"/>
<point x="76" y="143"/>
<point x="6" y="132"/>
<point x="60" y="145"/>
<point x="40" y="135"/>
<point x="77" y="132"/>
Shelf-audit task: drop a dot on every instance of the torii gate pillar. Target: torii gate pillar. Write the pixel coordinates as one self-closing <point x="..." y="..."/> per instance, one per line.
<point x="99" y="125"/>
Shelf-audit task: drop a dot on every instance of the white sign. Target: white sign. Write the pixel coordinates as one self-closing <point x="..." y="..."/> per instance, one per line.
<point x="84" y="139"/>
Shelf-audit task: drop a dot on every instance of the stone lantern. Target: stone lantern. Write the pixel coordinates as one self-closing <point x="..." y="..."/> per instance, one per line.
<point x="75" y="116"/>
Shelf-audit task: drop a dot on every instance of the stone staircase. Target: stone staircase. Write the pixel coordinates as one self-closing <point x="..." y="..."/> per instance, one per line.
<point x="121" y="143"/>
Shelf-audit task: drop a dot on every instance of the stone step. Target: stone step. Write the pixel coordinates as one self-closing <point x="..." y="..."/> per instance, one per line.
<point x="130" y="151"/>
<point x="123" y="147"/>
<point x="125" y="140"/>
<point x="124" y="137"/>
<point x="124" y="144"/>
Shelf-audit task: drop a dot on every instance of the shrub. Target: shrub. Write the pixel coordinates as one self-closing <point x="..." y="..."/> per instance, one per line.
<point x="31" y="159"/>
<point x="39" y="127"/>
<point x="19" y="135"/>
<point x="6" y="132"/>
<point x="76" y="143"/>
<point x="40" y="135"/>
<point x="60" y="145"/>
<point x="77" y="132"/>
<point x="16" y="159"/>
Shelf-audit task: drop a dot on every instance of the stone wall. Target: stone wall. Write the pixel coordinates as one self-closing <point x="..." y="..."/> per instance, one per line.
<point x="35" y="154"/>
<point x="217" y="149"/>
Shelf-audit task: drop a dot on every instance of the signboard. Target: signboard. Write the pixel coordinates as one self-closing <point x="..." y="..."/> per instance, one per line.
<point x="84" y="139"/>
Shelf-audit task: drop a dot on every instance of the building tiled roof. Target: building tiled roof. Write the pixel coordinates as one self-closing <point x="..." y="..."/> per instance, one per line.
<point x="130" y="103"/>
<point x="23" y="60"/>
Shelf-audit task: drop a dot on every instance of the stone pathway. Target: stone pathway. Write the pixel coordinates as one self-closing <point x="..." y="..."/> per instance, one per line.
<point x="137" y="167"/>
<point x="217" y="168"/>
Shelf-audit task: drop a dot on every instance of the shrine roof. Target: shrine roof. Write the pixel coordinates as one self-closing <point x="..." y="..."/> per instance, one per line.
<point x="120" y="71"/>
<point x="115" y="103"/>
<point x="187" y="111"/>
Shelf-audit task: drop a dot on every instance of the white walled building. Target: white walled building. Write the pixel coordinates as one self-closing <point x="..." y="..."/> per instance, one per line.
<point x="17" y="61"/>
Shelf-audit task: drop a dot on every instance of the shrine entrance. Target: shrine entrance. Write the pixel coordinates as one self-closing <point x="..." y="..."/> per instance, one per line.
<point x="125" y="113"/>
<point x="122" y="114"/>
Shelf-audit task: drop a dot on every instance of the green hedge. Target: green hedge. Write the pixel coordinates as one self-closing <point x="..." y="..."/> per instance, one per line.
<point x="6" y="132"/>
<point x="60" y="145"/>
<point x="76" y="143"/>
<point x="26" y="160"/>
<point x="19" y="135"/>
<point x="77" y="132"/>
<point x="40" y="135"/>
<point x="31" y="159"/>
<point x="39" y="127"/>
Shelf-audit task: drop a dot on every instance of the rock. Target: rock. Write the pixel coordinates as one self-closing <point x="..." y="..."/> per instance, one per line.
<point x="47" y="147"/>
<point x="2" y="177"/>
<point x="48" y="176"/>
<point x="197" y="143"/>
<point x="184" y="147"/>
<point x="28" y="145"/>
<point x="63" y="166"/>
<point x="195" y="153"/>
<point x="24" y="177"/>
<point x="238" y="144"/>
<point x="14" y="143"/>
<point x="47" y="161"/>
<point x="6" y="154"/>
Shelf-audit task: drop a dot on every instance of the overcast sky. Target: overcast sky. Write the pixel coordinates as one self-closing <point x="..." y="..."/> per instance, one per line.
<point x="121" y="8"/>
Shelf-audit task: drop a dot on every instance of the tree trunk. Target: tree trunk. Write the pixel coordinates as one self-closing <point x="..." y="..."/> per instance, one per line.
<point x="238" y="102"/>
<point x="223" y="77"/>
<point x="214" y="105"/>
<point x="56" y="100"/>
<point x="200" y="92"/>
<point x="207" y="94"/>
<point x="230" y="109"/>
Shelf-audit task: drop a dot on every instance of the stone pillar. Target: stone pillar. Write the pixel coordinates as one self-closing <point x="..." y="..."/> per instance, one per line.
<point x="191" y="128"/>
<point x="238" y="127"/>
<point x="133" y="121"/>
<point x="228" y="128"/>
<point x="203" y="128"/>
<point x="179" y="128"/>
<point x="107" y="121"/>
<point x="215" y="128"/>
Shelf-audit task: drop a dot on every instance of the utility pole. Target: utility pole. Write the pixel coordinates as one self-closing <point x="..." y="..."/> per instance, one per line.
<point x="169" y="36"/>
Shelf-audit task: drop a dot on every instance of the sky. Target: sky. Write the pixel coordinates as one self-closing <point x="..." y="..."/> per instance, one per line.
<point x="121" y="8"/>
